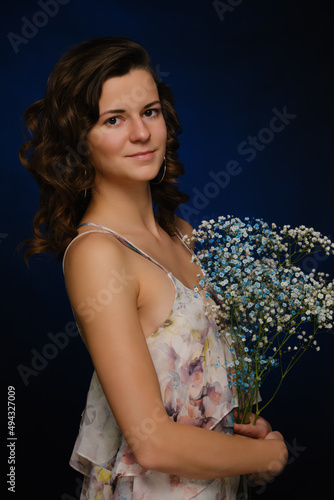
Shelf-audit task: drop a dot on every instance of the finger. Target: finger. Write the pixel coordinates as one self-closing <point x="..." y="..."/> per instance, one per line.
<point x="238" y="414"/>
<point x="248" y="430"/>
<point x="261" y="478"/>
<point x="274" y="435"/>
<point x="257" y="431"/>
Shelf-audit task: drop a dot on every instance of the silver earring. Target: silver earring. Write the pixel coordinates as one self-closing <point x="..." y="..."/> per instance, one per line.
<point x="161" y="175"/>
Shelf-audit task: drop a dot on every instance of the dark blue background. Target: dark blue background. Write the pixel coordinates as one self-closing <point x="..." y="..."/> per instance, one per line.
<point x="227" y="76"/>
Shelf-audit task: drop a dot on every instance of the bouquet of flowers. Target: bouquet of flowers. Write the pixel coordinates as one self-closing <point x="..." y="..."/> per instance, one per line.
<point x="268" y="311"/>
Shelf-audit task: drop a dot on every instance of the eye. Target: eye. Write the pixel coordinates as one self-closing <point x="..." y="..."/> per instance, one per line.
<point x="151" y="112"/>
<point x="113" y="121"/>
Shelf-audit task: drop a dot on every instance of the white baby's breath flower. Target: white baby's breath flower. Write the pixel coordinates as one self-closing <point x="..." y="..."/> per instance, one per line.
<point x="262" y="289"/>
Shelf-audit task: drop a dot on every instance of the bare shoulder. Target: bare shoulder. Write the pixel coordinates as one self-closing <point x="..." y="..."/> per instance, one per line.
<point x="185" y="228"/>
<point x="97" y="261"/>
<point x="93" y="251"/>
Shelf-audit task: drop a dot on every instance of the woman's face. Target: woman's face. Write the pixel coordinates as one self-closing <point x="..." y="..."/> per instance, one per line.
<point x="128" y="142"/>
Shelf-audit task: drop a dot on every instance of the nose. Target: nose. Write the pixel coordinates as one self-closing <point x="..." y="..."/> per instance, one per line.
<point x="139" y="130"/>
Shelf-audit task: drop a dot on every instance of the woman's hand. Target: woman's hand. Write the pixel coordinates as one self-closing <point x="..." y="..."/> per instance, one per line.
<point x="261" y="430"/>
<point x="265" y="477"/>
<point x="258" y="431"/>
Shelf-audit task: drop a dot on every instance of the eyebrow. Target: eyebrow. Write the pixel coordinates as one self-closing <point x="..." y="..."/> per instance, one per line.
<point x="123" y="110"/>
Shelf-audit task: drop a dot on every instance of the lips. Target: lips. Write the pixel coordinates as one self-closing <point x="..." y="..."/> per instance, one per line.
<point x="141" y="153"/>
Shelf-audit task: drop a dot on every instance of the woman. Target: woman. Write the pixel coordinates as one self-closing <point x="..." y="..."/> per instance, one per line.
<point x="104" y="154"/>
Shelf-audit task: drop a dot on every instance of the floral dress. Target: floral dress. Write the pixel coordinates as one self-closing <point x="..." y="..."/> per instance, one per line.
<point x="189" y="360"/>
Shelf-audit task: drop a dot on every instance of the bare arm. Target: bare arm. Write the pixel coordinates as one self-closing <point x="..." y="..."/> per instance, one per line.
<point x="119" y="351"/>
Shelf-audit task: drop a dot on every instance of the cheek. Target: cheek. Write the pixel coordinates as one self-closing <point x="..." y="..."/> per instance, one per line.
<point x="95" y="138"/>
<point x="104" y="146"/>
<point x="163" y="132"/>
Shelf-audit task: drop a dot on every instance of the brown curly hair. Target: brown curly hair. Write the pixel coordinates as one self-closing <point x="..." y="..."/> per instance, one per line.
<point x="57" y="154"/>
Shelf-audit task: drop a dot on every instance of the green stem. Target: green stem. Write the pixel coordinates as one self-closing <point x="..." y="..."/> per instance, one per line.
<point x="272" y="397"/>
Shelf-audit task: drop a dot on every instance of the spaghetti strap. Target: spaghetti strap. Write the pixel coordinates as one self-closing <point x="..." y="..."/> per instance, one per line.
<point x="78" y="236"/>
<point x="128" y="243"/>
<point x="181" y="236"/>
<point x="132" y="246"/>
<point x="119" y="237"/>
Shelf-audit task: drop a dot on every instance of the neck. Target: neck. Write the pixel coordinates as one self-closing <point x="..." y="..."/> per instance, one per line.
<point x="126" y="208"/>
